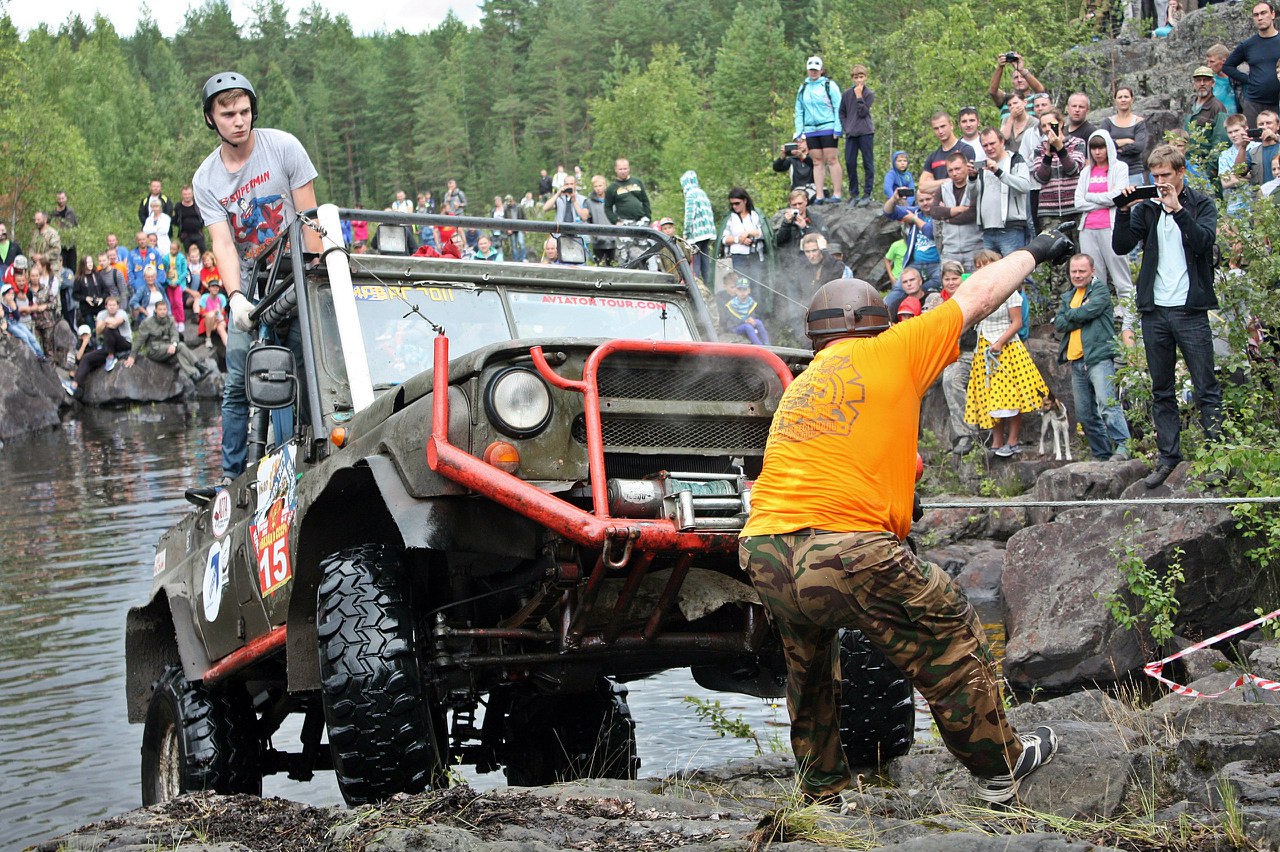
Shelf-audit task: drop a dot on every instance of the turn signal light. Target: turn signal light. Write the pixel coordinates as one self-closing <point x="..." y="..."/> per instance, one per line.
<point x="338" y="436"/>
<point x="503" y="456"/>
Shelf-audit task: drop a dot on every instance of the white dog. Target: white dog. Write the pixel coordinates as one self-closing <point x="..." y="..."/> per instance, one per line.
<point x="1054" y="413"/>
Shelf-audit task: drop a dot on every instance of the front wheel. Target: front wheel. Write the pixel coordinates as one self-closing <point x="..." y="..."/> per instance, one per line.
<point x="877" y="710"/>
<point x="198" y="738"/>
<point x="383" y="732"/>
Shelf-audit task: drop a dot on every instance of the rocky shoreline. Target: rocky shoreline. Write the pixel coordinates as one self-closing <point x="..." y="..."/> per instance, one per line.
<point x="1183" y="774"/>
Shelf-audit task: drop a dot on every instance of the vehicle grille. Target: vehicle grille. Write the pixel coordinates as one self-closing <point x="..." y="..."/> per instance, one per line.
<point x="729" y="435"/>
<point x="705" y="379"/>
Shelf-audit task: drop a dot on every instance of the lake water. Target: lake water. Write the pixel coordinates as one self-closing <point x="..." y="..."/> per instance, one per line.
<point x="84" y="505"/>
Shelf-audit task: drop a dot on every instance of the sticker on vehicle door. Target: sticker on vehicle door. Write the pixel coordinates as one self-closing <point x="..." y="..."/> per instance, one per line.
<point x="272" y="518"/>
<point x="215" y="577"/>
<point x="221" y="513"/>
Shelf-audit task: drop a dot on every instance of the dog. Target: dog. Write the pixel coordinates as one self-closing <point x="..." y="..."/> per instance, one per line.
<point x="1054" y="413"/>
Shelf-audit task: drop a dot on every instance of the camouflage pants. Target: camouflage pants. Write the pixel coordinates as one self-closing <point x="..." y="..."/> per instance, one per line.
<point x="813" y="583"/>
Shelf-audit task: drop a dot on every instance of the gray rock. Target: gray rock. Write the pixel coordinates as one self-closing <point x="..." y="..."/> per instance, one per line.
<point x="30" y="395"/>
<point x="1083" y="480"/>
<point x="1089" y="705"/>
<point x="973" y="842"/>
<point x="1089" y="776"/>
<point x="975" y="566"/>
<point x="1265" y="661"/>
<point x="148" y="381"/>
<point x="1057" y="576"/>
<point x="428" y="838"/>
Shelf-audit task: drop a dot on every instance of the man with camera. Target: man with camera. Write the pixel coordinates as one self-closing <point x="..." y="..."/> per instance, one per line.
<point x="1002" y="195"/>
<point x="1024" y="82"/>
<point x="1238" y="164"/>
<point x="916" y="211"/>
<point x="795" y="158"/>
<point x="1174" y="294"/>
<point x="570" y="205"/>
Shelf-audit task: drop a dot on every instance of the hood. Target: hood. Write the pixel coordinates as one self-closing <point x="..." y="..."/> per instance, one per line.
<point x="893" y="160"/>
<point x="1111" y="147"/>
<point x="689" y="180"/>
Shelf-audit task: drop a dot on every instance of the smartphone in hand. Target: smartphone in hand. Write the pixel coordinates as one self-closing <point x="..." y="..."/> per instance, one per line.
<point x="1138" y="194"/>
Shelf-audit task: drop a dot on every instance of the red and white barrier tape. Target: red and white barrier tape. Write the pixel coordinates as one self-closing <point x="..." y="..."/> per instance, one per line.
<point x="1155" y="669"/>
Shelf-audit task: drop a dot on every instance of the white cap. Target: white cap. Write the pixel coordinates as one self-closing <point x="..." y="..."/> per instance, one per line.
<point x="83" y="330"/>
<point x="814" y="64"/>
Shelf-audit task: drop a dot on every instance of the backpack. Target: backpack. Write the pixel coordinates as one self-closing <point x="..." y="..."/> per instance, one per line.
<point x="804" y="115"/>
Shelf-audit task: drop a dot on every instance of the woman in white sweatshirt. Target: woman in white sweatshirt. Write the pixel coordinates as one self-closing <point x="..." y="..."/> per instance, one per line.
<point x="1104" y="175"/>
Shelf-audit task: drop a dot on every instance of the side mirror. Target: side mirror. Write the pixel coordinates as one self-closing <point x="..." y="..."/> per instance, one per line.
<point x="571" y="249"/>
<point x="270" y="381"/>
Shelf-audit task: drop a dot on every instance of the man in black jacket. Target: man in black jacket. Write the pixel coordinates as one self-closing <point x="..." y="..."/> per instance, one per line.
<point x="1174" y="295"/>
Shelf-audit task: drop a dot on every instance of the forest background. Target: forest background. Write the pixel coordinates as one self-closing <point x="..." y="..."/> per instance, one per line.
<point x="671" y="84"/>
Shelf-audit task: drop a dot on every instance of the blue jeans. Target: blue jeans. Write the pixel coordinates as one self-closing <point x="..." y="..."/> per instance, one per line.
<point x="235" y="403"/>
<point x="27" y="336"/>
<point x="1004" y="240"/>
<point x="1097" y="409"/>
<point x="1164" y="332"/>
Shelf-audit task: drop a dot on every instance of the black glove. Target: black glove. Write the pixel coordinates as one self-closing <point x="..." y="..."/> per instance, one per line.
<point x="1054" y="245"/>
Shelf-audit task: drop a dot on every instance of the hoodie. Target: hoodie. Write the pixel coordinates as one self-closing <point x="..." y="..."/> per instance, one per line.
<point x="1117" y="178"/>
<point x="699" y="219"/>
<point x="817" y="105"/>
<point x="894" y="178"/>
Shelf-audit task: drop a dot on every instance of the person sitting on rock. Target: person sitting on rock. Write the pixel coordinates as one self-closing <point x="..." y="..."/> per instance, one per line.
<point x="212" y="309"/>
<point x="89" y="357"/>
<point x="114" y="332"/>
<point x="12" y="324"/>
<point x="157" y="339"/>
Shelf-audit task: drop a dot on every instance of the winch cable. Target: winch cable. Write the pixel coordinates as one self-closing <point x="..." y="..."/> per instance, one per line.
<point x="1071" y="504"/>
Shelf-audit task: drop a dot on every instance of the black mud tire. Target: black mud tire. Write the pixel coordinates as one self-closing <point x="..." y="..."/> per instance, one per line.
<point x="877" y="710"/>
<point x="197" y="738"/>
<point x="551" y="738"/>
<point x="383" y="732"/>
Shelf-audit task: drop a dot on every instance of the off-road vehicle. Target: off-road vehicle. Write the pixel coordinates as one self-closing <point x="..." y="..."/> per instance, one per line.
<point x="480" y="498"/>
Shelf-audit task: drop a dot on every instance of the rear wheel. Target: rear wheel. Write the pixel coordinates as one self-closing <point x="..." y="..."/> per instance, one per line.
<point x="198" y="738"/>
<point x="552" y="738"/>
<point x="877" y="710"/>
<point x="383" y="731"/>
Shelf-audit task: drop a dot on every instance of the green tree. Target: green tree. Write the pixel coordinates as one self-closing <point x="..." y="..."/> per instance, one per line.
<point x="752" y="99"/>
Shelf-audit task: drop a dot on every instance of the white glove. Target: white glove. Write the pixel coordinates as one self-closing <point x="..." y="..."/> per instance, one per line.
<point x="240" y="308"/>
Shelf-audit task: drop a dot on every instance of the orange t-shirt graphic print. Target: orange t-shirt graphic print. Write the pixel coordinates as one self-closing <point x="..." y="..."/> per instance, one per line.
<point x="842" y="448"/>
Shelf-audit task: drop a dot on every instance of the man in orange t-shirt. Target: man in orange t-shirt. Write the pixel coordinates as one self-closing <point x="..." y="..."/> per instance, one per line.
<point x="830" y="511"/>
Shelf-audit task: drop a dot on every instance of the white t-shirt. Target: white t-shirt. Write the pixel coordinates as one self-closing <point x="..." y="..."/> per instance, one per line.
<point x="256" y="201"/>
<point x="998" y="322"/>
<point x="739" y="228"/>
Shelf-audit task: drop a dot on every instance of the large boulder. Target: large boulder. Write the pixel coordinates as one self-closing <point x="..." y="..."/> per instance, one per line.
<point x="148" y="381"/>
<point x="30" y="395"/>
<point x="1058" y="575"/>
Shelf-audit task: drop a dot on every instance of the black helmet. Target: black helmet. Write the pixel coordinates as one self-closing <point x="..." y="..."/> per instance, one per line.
<point x="845" y="307"/>
<point x="225" y="82"/>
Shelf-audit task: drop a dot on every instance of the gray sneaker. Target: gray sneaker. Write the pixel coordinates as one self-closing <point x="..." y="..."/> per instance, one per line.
<point x="1003" y="452"/>
<point x="1038" y="748"/>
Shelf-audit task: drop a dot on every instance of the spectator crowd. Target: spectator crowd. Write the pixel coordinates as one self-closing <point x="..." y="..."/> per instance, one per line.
<point x="983" y="192"/>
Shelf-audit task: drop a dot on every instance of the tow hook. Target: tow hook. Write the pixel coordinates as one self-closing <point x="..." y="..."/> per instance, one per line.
<point x="612" y="534"/>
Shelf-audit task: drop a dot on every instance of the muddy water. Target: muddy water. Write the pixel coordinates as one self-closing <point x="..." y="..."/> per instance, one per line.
<point x="83" y="506"/>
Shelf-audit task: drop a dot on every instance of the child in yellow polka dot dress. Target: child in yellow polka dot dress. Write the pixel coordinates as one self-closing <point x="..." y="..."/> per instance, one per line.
<point x="1004" y="381"/>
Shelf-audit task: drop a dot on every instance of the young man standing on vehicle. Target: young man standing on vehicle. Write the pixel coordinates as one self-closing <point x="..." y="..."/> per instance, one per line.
<point x="830" y="512"/>
<point x="248" y="191"/>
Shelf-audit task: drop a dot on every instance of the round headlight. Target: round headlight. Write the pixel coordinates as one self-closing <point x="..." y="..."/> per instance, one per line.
<point x="518" y="403"/>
